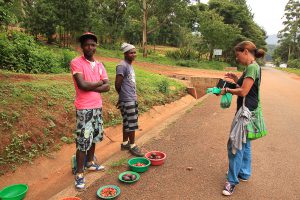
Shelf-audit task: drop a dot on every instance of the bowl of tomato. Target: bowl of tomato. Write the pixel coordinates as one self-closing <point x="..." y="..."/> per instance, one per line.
<point x="139" y="164"/>
<point x="108" y="192"/>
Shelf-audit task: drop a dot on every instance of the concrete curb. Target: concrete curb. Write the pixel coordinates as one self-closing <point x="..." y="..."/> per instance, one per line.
<point x="142" y="136"/>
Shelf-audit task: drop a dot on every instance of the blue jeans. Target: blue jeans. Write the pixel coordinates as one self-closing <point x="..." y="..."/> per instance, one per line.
<point x="239" y="164"/>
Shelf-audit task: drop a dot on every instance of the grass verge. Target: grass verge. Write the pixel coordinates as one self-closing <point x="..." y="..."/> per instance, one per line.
<point x="290" y="70"/>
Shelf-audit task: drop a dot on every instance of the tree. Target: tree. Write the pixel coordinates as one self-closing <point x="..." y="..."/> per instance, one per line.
<point x="159" y="11"/>
<point x="44" y="16"/>
<point x="73" y="16"/>
<point x="216" y="33"/>
<point x="289" y="37"/>
<point x="108" y="18"/>
<point x="280" y="54"/>
<point x="41" y="18"/>
<point x="193" y="14"/>
<point x="6" y="14"/>
<point x="236" y="12"/>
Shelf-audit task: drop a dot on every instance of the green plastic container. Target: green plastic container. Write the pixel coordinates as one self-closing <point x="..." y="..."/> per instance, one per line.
<point x="14" y="192"/>
<point x="214" y="90"/>
<point x="136" y="160"/>
<point x="129" y="172"/>
<point x="226" y="100"/>
<point x="108" y="186"/>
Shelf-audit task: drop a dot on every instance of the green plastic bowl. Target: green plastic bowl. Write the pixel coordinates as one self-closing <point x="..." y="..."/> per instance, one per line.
<point x="129" y="172"/>
<point x="108" y="186"/>
<point x="133" y="161"/>
<point x="14" y="192"/>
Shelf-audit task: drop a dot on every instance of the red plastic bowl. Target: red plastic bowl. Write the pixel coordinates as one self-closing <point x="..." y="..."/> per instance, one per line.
<point x="71" y="198"/>
<point x="156" y="161"/>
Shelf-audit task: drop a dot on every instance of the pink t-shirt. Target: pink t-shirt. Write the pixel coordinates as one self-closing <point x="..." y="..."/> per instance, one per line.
<point x="87" y="99"/>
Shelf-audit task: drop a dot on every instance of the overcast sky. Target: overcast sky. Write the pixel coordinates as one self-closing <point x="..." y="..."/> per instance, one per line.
<point x="267" y="14"/>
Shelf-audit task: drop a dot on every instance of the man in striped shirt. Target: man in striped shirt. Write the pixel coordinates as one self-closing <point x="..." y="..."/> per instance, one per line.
<point x="126" y="88"/>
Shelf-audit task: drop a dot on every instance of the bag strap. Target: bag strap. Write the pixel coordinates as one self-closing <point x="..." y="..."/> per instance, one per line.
<point x="259" y="85"/>
<point x="259" y="76"/>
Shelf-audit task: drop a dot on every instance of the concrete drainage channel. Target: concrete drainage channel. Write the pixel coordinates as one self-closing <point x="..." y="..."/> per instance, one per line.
<point x="200" y="84"/>
<point x="196" y="86"/>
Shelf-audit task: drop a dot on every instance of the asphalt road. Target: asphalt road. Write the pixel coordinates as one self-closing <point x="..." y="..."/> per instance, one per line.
<point x="197" y="141"/>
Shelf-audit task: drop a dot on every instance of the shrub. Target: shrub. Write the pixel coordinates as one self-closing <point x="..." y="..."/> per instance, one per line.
<point x="187" y="63"/>
<point x="183" y="53"/>
<point x="163" y="86"/>
<point x="19" y="52"/>
<point x="57" y="70"/>
<point x="42" y="60"/>
<point x="110" y="46"/>
<point x="294" y="63"/>
<point x="67" y="57"/>
<point x="149" y="51"/>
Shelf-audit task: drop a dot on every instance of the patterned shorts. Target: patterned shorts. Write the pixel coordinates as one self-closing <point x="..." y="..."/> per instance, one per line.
<point x="89" y="128"/>
<point x="130" y="113"/>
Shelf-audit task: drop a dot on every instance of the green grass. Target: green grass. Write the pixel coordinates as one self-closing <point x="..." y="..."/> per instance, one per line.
<point x="37" y="114"/>
<point x="120" y="162"/>
<point x="290" y="70"/>
<point x="112" y="171"/>
<point x="115" y="166"/>
<point x="215" y="65"/>
<point x="163" y="60"/>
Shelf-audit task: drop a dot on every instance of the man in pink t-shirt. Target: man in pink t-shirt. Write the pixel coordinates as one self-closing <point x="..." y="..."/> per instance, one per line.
<point x="90" y="79"/>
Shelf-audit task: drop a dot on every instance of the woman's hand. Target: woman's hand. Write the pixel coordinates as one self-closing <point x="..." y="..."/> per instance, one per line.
<point x="223" y="91"/>
<point x="232" y="76"/>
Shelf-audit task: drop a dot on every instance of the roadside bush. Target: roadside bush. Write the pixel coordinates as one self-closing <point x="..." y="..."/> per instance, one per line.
<point x="183" y="53"/>
<point x="163" y="86"/>
<point x="294" y="63"/>
<point x="149" y="51"/>
<point x="42" y="60"/>
<point x="188" y="63"/>
<point x="57" y="70"/>
<point x="19" y="52"/>
<point x="67" y="57"/>
<point x="110" y="46"/>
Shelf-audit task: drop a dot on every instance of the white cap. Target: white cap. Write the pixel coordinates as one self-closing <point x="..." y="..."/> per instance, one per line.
<point x="126" y="47"/>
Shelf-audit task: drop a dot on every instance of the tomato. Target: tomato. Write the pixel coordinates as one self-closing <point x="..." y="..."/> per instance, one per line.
<point x="139" y="164"/>
<point x="108" y="192"/>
